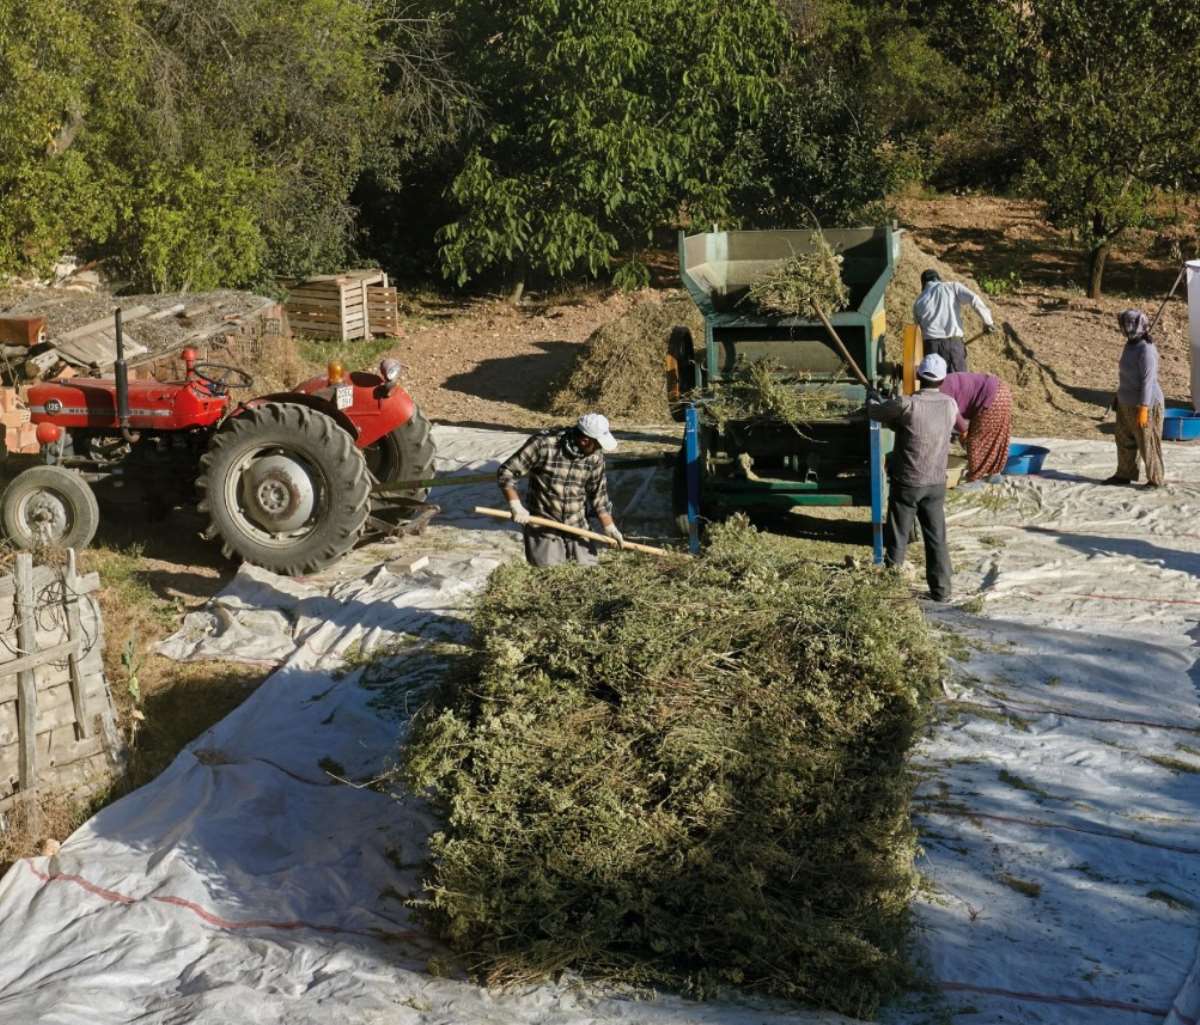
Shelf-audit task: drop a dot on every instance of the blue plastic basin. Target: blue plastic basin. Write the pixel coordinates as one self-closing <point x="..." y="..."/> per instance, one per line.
<point x="1181" y="425"/>
<point x="1025" y="459"/>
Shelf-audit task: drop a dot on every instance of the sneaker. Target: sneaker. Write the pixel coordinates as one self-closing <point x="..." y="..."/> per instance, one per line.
<point x="972" y="485"/>
<point x="996" y="478"/>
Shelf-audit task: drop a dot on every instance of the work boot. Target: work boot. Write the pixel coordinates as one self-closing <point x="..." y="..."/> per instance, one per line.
<point x="1118" y="481"/>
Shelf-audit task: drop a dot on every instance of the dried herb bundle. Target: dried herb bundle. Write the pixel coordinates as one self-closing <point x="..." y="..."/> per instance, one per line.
<point x="814" y="276"/>
<point x="683" y="772"/>
<point x="765" y="390"/>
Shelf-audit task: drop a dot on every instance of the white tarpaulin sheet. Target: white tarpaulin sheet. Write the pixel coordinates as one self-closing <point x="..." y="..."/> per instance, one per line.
<point x="1057" y="812"/>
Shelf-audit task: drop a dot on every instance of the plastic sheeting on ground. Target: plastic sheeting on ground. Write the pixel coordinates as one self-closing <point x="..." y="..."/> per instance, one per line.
<point x="1057" y="810"/>
<point x="246" y="884"/>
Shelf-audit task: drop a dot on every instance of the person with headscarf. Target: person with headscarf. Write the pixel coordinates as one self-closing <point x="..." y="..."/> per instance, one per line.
<point x="936" y="311"/>
<point x="984" y="422"/>
<point x="1139" y="404"/>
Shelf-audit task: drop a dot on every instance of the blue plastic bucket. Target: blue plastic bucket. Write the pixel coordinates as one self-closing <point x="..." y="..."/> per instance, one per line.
<point x="1181" y="425"/>
<point x="1025" y="459"/>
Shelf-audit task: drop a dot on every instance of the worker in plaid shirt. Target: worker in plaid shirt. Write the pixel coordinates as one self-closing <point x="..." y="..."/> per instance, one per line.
<point x="566" y="476"/>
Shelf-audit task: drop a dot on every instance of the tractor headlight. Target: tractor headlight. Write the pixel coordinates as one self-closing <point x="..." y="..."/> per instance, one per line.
<point x="390" y="370"/>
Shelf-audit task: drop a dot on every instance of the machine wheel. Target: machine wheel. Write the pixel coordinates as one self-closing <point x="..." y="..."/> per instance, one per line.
<point x="49" y="505"/>
<point x="285" y="488"/>
<point x="407" y="453"/>
<point x="679" y="493"/>
<point x="680" y="366"/>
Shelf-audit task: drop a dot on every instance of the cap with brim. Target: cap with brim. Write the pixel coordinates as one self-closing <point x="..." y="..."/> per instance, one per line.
<point x="932" y="368"/>
<point x="596" y="426"/>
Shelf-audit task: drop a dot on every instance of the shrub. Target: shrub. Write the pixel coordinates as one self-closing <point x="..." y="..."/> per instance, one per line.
<point x="685" y="772"/>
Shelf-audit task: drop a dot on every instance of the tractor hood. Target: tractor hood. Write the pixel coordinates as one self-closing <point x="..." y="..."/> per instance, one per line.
<point x="92" y="403"/>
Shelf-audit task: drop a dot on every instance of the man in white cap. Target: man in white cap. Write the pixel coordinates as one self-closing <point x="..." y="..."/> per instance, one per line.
<point x="937" y="312"/>
<point x="566" y="478"/>
<point x="917" y="470"/>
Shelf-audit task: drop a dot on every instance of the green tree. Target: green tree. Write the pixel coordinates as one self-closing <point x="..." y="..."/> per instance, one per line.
<point x="1092" y="89"/>
<point x="862" y="95"/>
<point x="601" y="120"/>
<point x="203" y="142"/>
<point x="62" y="64"/>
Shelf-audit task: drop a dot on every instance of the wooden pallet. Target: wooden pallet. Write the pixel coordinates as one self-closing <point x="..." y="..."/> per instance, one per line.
<point x="57" y="725"/>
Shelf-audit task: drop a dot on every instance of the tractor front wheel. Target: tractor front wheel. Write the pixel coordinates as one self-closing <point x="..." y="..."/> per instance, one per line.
<point x="407" y="453"/>
<point x="285" y="488"/>
<point x="49" y="505"/>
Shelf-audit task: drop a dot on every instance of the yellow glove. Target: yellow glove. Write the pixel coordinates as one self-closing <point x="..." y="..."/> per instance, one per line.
<point x="1143" y="416"/>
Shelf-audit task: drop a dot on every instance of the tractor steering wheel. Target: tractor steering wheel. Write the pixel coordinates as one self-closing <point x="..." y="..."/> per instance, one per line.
<point x="220" y="378"/>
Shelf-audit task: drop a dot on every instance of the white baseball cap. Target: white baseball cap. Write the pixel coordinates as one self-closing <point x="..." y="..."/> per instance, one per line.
<point x="596" y="426"/>
<point x="932" y="368"/>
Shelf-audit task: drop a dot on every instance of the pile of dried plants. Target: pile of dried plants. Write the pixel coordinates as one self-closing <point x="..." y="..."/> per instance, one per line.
<point x="688" y="773"/>
<point x="802" y="280"/>
<point x="765" y="391"/>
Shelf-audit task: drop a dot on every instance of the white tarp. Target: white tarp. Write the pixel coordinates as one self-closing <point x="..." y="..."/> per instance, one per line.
<point x="1193" y="287"/>
<point x="1062" y="863"/>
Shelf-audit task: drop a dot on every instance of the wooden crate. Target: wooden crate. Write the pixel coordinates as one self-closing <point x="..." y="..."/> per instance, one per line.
<point x="383" y="311"/>
<point x="57" y="724"/>
<point x="340" y="305"/>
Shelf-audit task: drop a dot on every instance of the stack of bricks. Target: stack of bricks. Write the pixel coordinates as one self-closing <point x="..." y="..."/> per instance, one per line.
<point x="19" y="435"/>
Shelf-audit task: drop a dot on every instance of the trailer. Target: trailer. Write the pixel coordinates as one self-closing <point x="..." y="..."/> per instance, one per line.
<point x="830" y="462"/>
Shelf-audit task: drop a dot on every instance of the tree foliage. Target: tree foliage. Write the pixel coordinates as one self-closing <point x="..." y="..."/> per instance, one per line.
<point x="602" y="120"/>
<point x="202" y="141"/>
<point x="1091" y="91"/>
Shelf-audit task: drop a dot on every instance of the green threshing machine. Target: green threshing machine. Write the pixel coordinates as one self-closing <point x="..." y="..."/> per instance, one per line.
<point x="832" y="462"/>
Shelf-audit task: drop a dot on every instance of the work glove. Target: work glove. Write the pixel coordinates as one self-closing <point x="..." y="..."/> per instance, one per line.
<point x="612" y="531"/>
<point x="989" y="329"/>
<point x="1143" y="419"/>
<point x="520" y="514"/>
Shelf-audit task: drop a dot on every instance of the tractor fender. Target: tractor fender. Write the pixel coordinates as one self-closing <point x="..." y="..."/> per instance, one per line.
<point x="377" y="409"/>
<point x="297" y="398"/>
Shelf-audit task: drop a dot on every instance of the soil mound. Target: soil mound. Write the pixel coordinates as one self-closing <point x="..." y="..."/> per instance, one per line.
<point x="620" y="370"/>
<point x="1042" y="404"/>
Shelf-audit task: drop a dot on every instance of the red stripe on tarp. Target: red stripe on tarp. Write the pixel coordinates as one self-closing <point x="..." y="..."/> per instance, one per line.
<point x="1046" y="998"/>
<point x="203" y="913"/>
<point x="99" y="891"/>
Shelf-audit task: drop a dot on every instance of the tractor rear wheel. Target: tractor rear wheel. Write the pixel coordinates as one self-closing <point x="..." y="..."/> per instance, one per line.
<point x="49" y="505"/>
<point x="285" y="488"/>
<point x="407" y="453"/>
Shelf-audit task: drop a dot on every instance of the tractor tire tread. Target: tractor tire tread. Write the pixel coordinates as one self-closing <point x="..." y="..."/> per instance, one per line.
<point x="348" y="510"/>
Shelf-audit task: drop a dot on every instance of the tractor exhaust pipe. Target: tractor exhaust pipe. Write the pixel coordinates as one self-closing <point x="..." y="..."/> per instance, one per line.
<point x="121" y="373"/>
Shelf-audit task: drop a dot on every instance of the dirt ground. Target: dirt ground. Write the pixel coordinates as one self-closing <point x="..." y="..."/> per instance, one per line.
<point x="487" y="363"/>
<point x="1068" y="345"/>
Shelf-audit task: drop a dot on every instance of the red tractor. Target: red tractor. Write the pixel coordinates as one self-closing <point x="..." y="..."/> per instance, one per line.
<point x="286" y="480"/>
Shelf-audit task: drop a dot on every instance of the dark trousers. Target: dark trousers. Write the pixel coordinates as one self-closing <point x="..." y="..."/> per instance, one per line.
<point x="952" y="350"/>
<point x="928" y="506"/>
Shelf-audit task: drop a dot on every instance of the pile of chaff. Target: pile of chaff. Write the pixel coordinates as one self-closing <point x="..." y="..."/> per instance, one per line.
<point x="765" y="391"/>
<point x="802" y="280"/>
<point x="620" y="369"/>
<point x="688" y="773"/>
